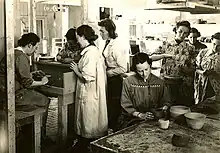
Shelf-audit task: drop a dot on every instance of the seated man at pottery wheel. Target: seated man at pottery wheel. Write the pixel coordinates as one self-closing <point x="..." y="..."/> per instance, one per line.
<point x="141" y="93"/>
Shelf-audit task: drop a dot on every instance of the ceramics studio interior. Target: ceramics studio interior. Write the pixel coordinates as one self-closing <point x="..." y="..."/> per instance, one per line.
<point x="109" y="76"/>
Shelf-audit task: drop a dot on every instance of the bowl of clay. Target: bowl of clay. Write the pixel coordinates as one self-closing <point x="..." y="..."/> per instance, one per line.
<point x="176" y="111"/>
<point x="157" y="112"/>
<point x="195" y="120"/>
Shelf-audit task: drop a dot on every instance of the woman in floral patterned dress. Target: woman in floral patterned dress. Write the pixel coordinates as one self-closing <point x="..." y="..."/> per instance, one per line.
<point x="194" y="34"/>
<point x="71" y="50"/>
<point x="207" y="78"/>
<point x="178" y="71"/>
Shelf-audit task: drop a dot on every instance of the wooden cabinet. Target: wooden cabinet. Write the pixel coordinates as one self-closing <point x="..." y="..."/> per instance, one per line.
<point x="62" y="84"/>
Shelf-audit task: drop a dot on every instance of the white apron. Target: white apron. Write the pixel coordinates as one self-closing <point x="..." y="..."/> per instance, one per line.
<point x="90" y="104"/>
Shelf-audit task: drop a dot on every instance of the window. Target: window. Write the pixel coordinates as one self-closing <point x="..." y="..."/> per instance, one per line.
<point x="132" y="31"/>
<point x="39" y="24"/>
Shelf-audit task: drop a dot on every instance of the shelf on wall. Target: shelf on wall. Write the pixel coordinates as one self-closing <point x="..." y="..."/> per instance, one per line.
<point x="192" y="7"/>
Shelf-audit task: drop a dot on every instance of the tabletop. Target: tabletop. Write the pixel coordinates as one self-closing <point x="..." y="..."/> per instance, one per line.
<point x="147" y="137"/>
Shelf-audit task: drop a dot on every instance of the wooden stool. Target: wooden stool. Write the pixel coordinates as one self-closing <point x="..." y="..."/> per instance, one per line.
<point x="33" y="115"/>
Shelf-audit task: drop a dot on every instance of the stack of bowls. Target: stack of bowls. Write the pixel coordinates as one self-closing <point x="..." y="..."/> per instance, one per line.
<point x="195" y="120"/>
<point x="176" y="111"/>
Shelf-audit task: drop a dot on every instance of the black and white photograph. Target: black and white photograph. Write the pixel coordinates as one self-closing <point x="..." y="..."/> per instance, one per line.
<point x="109" y="76"/>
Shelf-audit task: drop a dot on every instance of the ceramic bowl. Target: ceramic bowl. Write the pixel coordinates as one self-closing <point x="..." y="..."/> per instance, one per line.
<point x="158" y="113"/>
<point x="195" y="120"/>
<point x="46" y="59"/>
<point x="180" y="140"/>
<point x="173" y="79"/>
<point x="176" y="111"/>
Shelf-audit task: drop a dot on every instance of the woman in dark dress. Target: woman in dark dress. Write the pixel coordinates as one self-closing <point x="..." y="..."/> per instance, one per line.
<point x="25" y="95"/>
<point x="142" y="93"/>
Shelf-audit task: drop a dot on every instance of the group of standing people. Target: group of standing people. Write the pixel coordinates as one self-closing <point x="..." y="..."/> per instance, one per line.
<point x="99" y="82"/>
<point x="191" y="72"/>
<point x="98" y="78"/>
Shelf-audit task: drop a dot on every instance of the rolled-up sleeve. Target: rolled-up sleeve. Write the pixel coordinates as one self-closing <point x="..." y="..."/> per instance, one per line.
<point x="126" y="100"/>
<point x="120" y="54"/>
<point x="23" y="71"/>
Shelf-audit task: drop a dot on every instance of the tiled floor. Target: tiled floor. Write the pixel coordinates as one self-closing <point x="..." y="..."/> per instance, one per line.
<point x="52" y="119"/>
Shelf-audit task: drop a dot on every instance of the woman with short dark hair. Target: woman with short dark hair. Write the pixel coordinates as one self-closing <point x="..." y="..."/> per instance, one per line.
<point x="142" y="92"/>
<point x="25" y="80"/>
<point x="116" y="59"/>
<point x="193" y="35"/>
<point x="71" y="50"/>
<point x="110" y="27"/>
<point x="25" y="95"/>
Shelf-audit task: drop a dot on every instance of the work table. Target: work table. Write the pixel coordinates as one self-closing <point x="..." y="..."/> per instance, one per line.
<point x="148" y="137"/>
<point x="62" y="84"/>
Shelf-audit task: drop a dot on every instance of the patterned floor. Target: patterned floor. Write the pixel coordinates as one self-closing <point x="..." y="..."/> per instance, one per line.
<point x="52" y="120"/>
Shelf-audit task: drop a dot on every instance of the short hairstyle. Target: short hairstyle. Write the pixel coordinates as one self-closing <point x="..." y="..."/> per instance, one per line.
<point x="194" y="30"/>
<point x="216" y="36"/>
<point x="140" y="58"/>
<point x="71" y="34"/>
<point x="182" y="23"/>
<point x="109" y="26"/>
<point x="88" y="33"/>
<point x="29" y="38"/>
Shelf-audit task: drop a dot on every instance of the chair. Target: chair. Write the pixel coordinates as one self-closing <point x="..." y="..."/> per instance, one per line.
<point x="27" y="115"/>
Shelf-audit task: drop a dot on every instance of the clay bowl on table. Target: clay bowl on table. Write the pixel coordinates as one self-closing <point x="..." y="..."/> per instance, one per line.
<point x="46" y="59"/>
<point x="157" y="112"/>
<point x="180" y="140"/>
<point x="195" y="120"/>
<point x="173" y="78"/>
<point x="177" y="111"/>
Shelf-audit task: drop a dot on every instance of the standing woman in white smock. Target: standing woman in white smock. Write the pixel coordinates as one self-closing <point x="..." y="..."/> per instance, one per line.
<point x="90" y="120"/>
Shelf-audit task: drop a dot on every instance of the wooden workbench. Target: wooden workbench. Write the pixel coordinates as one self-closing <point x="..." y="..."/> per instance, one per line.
<point x="147" y="137"/>
<point x="62" y="85"/>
